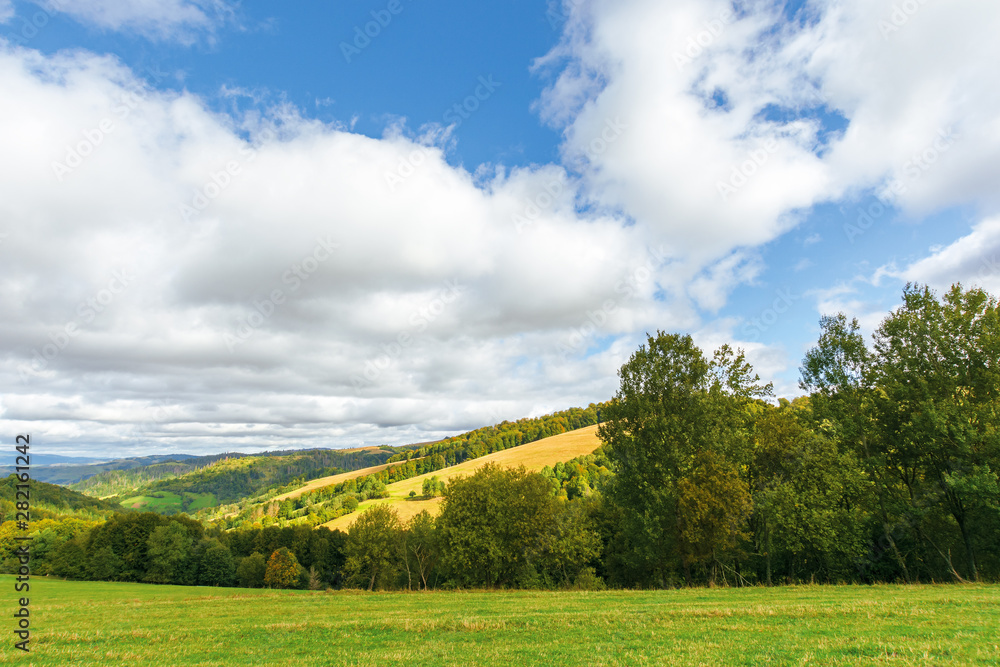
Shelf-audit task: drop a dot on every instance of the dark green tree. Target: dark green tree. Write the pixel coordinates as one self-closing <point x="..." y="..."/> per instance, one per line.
<point x="371" y="549"/>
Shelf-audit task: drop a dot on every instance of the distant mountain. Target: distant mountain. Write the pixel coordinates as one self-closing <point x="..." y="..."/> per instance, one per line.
<point x="66" y="470"/>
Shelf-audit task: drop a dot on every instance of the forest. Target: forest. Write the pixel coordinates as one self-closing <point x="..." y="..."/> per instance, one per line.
<point x="884" y="471"/>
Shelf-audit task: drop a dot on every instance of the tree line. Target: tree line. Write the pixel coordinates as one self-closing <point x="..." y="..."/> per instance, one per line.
<point x="886" y="471"/>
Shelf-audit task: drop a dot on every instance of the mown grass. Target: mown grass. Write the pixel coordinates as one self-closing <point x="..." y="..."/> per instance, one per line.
<point x="92" y="623"/>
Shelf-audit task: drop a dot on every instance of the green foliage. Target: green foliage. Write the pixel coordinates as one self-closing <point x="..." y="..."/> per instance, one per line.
<point x="920" y="411"/>
<point x="204" y="482"/>
<point x="491" y="524"/>
<point x="676" y="417"/>
<point x="169" y="554"/>
<point x="371" y="549"/>
<point x="217" y="566"/>
<point x="251" y="571"/>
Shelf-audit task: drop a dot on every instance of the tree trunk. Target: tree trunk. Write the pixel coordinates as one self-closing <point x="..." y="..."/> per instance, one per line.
<point x="970" y="556"/>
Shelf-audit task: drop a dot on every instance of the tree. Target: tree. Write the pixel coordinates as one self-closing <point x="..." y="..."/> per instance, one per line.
<point x="673" y="405"/>
<point x="251" y="571"/>
<point x="570" y="541"/>
<point x="217" y="566"/>
<point x="420" y="545"/>
<point x="282" y="570"/>
<point x="491" y="524"/>
<point x="920" y="411"/>
<point x="371" y="547"/>
<point x="713" y="505"/>
<point x="169" y="548"/>
<point x="938" y="369"/>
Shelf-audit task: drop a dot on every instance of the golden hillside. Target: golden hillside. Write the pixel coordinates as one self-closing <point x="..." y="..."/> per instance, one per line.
<point x="533" y="456"/>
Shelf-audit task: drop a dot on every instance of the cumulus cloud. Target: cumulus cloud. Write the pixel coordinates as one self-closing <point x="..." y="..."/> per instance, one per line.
<point x="207" y="282"/>
<point x="736" y="120"/>
<point x="175" y="278"/>
<point x="973" y="260"/>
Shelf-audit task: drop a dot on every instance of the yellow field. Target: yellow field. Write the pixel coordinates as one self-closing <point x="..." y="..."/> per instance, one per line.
<point x="533" y="456"/>
<point x="332" y="479"/>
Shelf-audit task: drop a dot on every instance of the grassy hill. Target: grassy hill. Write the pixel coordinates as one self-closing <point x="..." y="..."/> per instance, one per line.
<point x="331" y="480"/>
<point x="196" y="484"/>
<point x="52" y="501"/>
<point x="533" y="456"/>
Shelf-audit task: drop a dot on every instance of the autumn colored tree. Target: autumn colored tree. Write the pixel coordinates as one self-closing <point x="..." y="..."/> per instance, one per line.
<point x="282" y="570"/>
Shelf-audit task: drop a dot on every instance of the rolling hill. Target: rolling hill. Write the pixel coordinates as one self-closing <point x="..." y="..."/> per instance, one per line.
<point x="533" y="456"/>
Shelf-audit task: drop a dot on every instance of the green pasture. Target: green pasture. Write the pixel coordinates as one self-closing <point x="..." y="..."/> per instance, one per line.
<point x="96" y="623"/>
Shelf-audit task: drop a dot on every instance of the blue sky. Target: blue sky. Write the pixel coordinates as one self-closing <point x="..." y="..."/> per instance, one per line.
<point x="251" y="226"/>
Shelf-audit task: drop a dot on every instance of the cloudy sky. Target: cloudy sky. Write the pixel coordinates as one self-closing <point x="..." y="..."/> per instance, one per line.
<point x="245" y="226"/>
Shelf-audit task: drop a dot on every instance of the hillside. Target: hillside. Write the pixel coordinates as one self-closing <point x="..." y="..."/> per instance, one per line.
<point x="236" y="477"/>
<point x="70" y="470"/>
<point x="330" y="480"/>
<point x="51" y="501"/>
<point x="533" y="456"/>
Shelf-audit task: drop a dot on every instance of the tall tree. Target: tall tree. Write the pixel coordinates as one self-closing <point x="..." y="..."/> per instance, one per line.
<point x="371" y="547"/>
<point x="672" y="405"/>
<point x="491" y="524"/>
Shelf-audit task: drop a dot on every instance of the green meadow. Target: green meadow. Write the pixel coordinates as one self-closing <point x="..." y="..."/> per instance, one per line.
<point x="100" y="623"/>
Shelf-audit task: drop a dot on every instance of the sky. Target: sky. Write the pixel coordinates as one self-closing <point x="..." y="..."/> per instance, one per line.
<point x="253" y="226"/>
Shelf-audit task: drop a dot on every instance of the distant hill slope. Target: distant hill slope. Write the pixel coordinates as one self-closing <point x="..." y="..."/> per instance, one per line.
<point x="69" y="470"/>
<point x="533" y="456"/>
<point x="232" y="478"/>
<point x="330" y="480"/>
<point x="51" y="501"/>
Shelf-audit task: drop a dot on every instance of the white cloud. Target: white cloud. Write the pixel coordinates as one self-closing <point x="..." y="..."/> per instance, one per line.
<point x="973" y="260"/>
<point x="416" y="303"/>
<point x="179" y="20"/>
<point x="712" y="101"/>
<point x="7" y="10"/>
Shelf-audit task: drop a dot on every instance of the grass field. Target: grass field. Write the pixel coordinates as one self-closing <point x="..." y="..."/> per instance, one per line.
<point x="93" y="623"/>
<point x="533" y="456"/>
